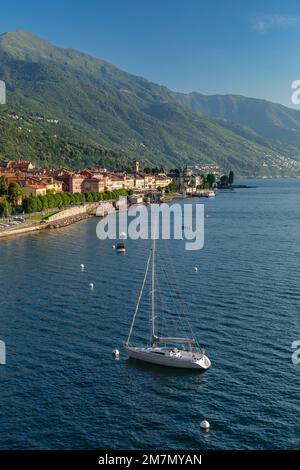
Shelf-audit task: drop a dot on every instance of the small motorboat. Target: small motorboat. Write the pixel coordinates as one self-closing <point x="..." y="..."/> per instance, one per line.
<point x="120" y="248"/>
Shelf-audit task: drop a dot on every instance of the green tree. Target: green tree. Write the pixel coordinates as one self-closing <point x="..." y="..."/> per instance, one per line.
<point x="224" y="180"/>
<point x="39" y="205"/>
<point x="58" y="199"/>
<point x="5" y="208"/>
<point x="172" y="187"/>
<point x="210" y="179"/>
<point x="14" y="193"/>
<point x="89" y="197"/>
<point x="231" y="177"/>
<point x="66" y="199"/>
<point x="30" y="205"/>
<point x="50" y="191"/>
<point x="3" y="185"/>
<point x="44" y="202"/>
<point x="72" y="198"/>
<point x="51" y="201"/>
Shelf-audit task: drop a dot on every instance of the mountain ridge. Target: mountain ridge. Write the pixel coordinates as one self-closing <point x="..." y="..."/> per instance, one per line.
<point x="129" y="115"/>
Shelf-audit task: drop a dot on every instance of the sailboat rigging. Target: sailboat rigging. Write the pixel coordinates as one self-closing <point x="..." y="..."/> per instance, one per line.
<point x="158" y="352"/>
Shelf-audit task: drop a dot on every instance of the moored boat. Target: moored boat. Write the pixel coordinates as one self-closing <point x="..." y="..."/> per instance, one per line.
<point x="189" y="356"/>
<point x="121" y="248"/>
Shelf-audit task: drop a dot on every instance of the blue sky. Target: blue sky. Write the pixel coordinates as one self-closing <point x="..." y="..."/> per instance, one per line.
<point x="216" y="46"/>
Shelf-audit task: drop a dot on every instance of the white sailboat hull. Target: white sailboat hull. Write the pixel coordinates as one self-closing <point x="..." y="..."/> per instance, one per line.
<point x="166" y="357"/>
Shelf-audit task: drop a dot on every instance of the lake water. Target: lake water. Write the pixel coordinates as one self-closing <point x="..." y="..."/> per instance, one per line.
<point x="62" y="389"/>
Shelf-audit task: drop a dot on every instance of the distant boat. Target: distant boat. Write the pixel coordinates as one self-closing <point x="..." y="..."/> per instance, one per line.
<point x="121" y="248"/>
<point x="158" y="353"/>
<point x="205" y="193"/>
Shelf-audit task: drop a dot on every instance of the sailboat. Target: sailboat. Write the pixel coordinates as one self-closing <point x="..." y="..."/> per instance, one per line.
<point x="189" y="357"/>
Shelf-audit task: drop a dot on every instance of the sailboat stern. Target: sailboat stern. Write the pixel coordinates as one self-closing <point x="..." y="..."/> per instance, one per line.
<point x="204" y="362"/>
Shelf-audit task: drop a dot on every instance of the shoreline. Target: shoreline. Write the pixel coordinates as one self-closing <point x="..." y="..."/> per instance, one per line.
<point x="37" y="226"/>
<point x="171" y="197"/>
<point x="59" y="222"/>
<point x="72" y="216"/>
<point x="22" y="230"/>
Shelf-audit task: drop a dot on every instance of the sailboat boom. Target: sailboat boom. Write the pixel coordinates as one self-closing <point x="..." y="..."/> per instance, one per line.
<point x="175" y="340"/>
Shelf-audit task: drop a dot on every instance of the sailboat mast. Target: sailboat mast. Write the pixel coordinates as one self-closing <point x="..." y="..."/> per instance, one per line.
<point x="153" y="289"/>
<point x="139" y="300"/>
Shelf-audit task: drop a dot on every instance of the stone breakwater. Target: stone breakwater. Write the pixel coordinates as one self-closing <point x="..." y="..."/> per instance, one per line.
<point x="67" y="221"/>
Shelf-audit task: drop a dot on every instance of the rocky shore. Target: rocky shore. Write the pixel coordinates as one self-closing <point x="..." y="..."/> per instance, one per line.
<point x="67" y="221"/>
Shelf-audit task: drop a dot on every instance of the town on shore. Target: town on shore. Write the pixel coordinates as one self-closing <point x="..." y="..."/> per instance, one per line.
<point x="25" y="189"/>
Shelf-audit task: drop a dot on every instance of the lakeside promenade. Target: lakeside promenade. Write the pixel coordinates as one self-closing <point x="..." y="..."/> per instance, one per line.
<point x="68" y="216"/>
<point x="60" y="219"/>
<point x="65" y="217"/>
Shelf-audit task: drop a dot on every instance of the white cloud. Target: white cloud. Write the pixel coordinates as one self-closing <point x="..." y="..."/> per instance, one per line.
<point x="264" y="23"/>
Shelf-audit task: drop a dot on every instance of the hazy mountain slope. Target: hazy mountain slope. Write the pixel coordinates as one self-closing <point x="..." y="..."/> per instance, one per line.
<point x="269" y="120"/>
<point x="105" y="106"/>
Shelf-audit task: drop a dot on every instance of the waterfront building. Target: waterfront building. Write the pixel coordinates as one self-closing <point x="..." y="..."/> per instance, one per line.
<point x="93" y="185"/>
<point x="72" y="182"/>
<point x="136" y="199"/>
<point x="129" y="181"/>
<point x="139" y="182"/>
<point x="34" y="190"/>
<point x="149" y="180"/>
<point x="50" y="183"/>
<point x="96" y="180"/>
<point x="162" y="181"/>
<point x="75" y="183"/>
<point x="116" y="181"/>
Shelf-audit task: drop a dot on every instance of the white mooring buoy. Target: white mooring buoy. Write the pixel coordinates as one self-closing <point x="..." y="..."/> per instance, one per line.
<point x="114" y="246"/>
<point x="82" y="267"/>
<point x="205" y="425"/>
<point x="195" y="269"/>
<point x="116" y="353"/>
<point x="91" y="285"/>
